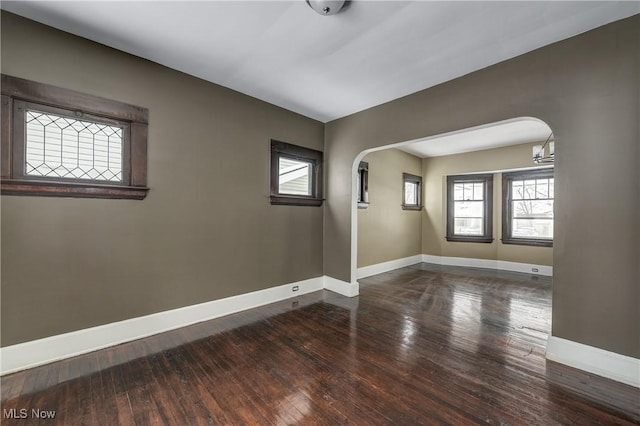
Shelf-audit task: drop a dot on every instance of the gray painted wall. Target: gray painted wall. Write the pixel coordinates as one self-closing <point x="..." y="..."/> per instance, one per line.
<point x="434" y="225"/>
<point x="205" y="231"/>
<point x="385" y="231"/>
<point x="68" y="264"/>
<point x="587" y="89"/>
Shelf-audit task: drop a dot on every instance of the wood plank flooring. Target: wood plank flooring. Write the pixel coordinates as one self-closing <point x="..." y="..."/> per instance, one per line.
<point x="421" y="345"/>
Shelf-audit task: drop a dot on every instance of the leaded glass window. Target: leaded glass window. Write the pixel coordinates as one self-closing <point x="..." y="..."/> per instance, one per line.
<point x="62" y="143"/>
<point x="64" y="147"/>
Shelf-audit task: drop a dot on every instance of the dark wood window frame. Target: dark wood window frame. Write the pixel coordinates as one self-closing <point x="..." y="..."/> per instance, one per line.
<point x="18" y="92"/>
<point x="406" y="177"/>
<point x="294" y="152"/>
<point x="363" y="185"/>
<point x="507" y="179"/>
<point x="487" y="180"/>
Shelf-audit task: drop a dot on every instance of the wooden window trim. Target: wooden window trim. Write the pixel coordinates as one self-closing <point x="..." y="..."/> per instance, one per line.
<point x="507" y="178"/>
<point x="295" y="152"/>
<point x="16" y="91"/>
<point x="487" y="180"/>
<point x="406" y="177"/>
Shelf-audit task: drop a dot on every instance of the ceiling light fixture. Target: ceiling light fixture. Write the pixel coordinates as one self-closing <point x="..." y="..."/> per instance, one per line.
<point x="538" y="152"/>
<point x="326" y="7"/>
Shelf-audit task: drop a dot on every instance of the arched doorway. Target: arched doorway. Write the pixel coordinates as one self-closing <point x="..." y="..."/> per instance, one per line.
<point x="462" y="143"/>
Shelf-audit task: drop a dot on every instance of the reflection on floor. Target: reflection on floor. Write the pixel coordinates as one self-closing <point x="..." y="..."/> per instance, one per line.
<point x="421" y="345"/>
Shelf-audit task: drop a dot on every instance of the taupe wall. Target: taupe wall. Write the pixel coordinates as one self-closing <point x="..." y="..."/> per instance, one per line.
<point x="70" y="263"/>
<point x="587" y="89"/>
<point x="385" y="231"/>
<point x="434" y="226"/>
<point x="205" y="231"/>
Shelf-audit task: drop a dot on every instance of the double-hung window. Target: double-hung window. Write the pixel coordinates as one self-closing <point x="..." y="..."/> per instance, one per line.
<point x="57" y="142"/>
<point x="470" y="208"/>
<point x="527" y="208"/>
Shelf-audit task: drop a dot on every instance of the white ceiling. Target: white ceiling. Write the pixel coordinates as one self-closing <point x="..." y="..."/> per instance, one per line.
<point x="325" y="67"/>
<point x="511" y="132"/>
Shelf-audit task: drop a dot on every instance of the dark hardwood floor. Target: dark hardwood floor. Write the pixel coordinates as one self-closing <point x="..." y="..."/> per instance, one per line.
<point x="421" y="345"/>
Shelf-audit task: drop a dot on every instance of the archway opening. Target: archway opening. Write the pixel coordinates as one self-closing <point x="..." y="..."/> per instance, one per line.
<point x="499" y="149"/>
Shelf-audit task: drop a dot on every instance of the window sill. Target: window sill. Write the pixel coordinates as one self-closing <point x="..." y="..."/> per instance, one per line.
<point x="465" y="239"/>
<point x="527" y="242"/>
<point x="71" y="190"/>
<point x="411" y="207"/>
<point x="295" y="201"/>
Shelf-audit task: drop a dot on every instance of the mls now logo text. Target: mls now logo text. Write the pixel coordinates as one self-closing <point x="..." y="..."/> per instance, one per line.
<point x="23" y="413"/>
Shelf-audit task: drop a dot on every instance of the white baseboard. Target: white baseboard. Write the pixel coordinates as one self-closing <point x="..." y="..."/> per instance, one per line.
<point x="598" y="361"/>
<point x="501" y="265"/>
<point x="49" y="349"/>
<point x="341" y="287"/>
<point x="379" y="268"/>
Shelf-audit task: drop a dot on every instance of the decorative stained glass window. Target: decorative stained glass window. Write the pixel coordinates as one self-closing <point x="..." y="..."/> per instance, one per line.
<point x="56" y="142"/>
<point x="64" y="147"/>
